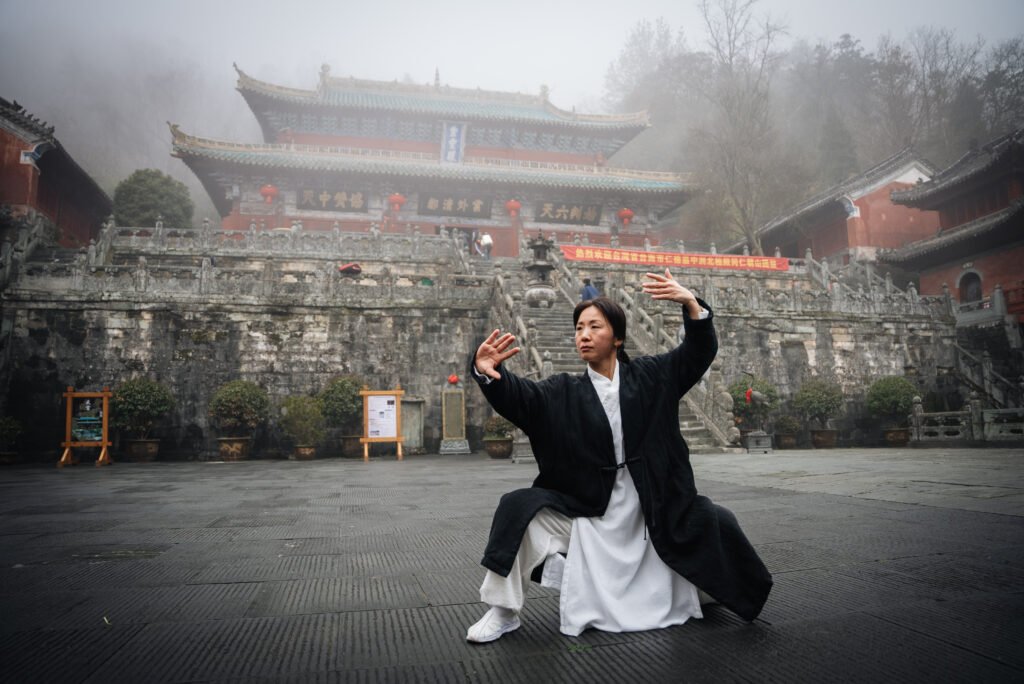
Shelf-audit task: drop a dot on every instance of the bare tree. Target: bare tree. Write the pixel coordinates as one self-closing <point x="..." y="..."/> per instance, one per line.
<point x="941" y="66"/>
<point x="1002" y="88"/>
<point x="737" y="141"/>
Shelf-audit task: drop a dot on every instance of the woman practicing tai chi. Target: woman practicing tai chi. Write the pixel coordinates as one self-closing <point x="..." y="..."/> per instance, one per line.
<point x="615" y="493"/>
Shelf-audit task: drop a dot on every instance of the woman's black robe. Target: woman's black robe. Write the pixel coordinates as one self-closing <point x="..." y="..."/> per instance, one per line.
<point x="572" y="441"/>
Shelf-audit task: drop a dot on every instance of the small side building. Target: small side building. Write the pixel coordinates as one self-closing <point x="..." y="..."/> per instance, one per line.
<point x="978" y="248"/>
<point x="854" y="219"/>
<point x="39" y="178"/>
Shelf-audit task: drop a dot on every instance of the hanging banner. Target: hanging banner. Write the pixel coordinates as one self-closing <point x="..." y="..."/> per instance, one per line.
<point x="736" y="262"/>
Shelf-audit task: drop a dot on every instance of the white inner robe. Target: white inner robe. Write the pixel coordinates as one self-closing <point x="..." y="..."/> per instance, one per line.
<point x="613" y="579"/>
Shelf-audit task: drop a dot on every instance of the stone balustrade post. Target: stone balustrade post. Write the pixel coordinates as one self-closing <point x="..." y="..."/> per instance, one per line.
<point x="746" y="249"/>
<point x="986" y="372"/>
<point x="795" y="304"/>
<point x="778" y="252"/>
<point x="916" y="419"/>
<point x="998" y="300"/>
<point x="547" y="367"/>
<point x="714" y="248"/>
<point x="659" y="325"/>
<point x="977" y="417"/>
<point x="141" y="275"/>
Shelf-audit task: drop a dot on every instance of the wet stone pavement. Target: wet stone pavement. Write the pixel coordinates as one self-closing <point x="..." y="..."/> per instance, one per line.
<point x="889" y="565"/>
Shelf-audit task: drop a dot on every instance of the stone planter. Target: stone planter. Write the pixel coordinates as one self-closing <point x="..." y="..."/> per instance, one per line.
<point x="498" y="448"/>
<point x="303" y="453"/>
<point x="785" y="440"/>
<point x="896" y="437"/>
<point x="824" y="439"/>
<point x="142" y="450"/>
<point x="233" y="448"/>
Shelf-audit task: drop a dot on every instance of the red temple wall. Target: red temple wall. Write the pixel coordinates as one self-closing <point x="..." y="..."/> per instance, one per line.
<point x="884" y="224"/>
<point x="1001" y="267"/>
<point x="18" y="182"/>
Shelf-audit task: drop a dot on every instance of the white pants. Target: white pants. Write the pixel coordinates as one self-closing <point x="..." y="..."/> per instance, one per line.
<point x="546" y="534"/>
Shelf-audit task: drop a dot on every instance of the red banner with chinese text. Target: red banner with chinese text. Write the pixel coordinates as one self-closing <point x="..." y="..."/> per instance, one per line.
<point x="670" y="259"/>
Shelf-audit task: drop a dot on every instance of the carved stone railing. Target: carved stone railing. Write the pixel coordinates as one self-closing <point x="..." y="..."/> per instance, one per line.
<point x="974" y="424"/>
<point x="282" y="243"/>
<point x="505" y="315"/>
<point x="980" y="375"/>
<point x="35" y="231"/>
<point x="318" y="285"/>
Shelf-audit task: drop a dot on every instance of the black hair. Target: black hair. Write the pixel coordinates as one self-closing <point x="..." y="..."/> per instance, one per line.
<point x="615" y="316"/>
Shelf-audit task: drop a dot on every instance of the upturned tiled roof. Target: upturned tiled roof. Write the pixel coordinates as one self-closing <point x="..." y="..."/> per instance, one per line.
<point x="37" y="133"/>
<point x="968" y="166"/>
<point x="15" y="114"/>
<point x="967" y="231"/>
<point x="413" y="165"/>
<point x="853" y="187"/>
<point x="437" y="100"/>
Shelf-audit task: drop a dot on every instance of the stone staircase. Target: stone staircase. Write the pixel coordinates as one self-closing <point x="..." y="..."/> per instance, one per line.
<point x="553" y="337"/>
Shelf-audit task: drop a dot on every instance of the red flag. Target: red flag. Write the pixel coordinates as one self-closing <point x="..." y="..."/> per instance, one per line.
<point x="750" y="391"/>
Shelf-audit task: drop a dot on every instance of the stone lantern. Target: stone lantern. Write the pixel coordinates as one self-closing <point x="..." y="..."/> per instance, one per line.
<point x="540" y="290"/>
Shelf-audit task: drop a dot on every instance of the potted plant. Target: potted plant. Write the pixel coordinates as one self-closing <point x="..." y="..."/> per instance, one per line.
<point x="753" y="399"/>
<point x="498" y="437"/>
<point x="786" y="428"/>
<point x="819" y="401"/>
<point x="343" y="408"/>
<point x="892" y="398"/>
<point x="236" y="409"/>
<point x="135" y="406"/>
<point x="302" y="421"/>
<point x="10" y="430"/>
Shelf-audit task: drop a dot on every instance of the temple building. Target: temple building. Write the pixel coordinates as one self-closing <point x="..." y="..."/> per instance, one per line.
<point x="353" y="153"/>
<point x="39" y="180"/>
<point x="854" y="219"/>
<point x="978" y="247"/>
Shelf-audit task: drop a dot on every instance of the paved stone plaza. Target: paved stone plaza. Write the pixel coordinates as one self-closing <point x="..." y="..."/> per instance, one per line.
<point x="889" y="566"/>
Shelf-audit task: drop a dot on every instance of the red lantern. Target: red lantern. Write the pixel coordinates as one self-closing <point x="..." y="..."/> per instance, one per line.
<point x="396" y="200"/>
<point x="512" y="207"/>
<point x="453" y="379"/>
<point x="625" y="215"/>
<point x="269" y="193"/>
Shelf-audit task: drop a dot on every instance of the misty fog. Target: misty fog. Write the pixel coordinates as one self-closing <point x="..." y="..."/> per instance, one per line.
<point x="110" y="74"/>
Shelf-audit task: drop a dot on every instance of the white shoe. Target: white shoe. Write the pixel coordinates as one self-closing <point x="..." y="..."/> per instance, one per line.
<point x="492" y="625"/>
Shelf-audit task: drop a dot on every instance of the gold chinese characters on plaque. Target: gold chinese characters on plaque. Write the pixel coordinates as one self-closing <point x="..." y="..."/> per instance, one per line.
<point x="330" y="200"/>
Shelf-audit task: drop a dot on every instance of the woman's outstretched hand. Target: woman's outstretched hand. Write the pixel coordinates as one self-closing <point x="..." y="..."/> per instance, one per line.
<point x="492" y="352"/>
<point x="667" y="287"/>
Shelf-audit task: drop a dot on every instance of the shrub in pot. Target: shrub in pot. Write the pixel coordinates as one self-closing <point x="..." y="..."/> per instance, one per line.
<point x="786" y="429"/>
<point x="751" y="415"/>
<point x="236" y="409"/>
<point x="302" y="421"/>
<point x="498" y="437"/>
<point x="342" y="408"/>
<point x="891" y="398"/>
<point x="135" y="406"/>
<point x="819" y="401"/>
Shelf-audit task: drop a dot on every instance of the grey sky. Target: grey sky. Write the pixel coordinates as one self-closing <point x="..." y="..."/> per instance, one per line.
<point x="494" y="45"/>
<point x="109" y="73"/>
